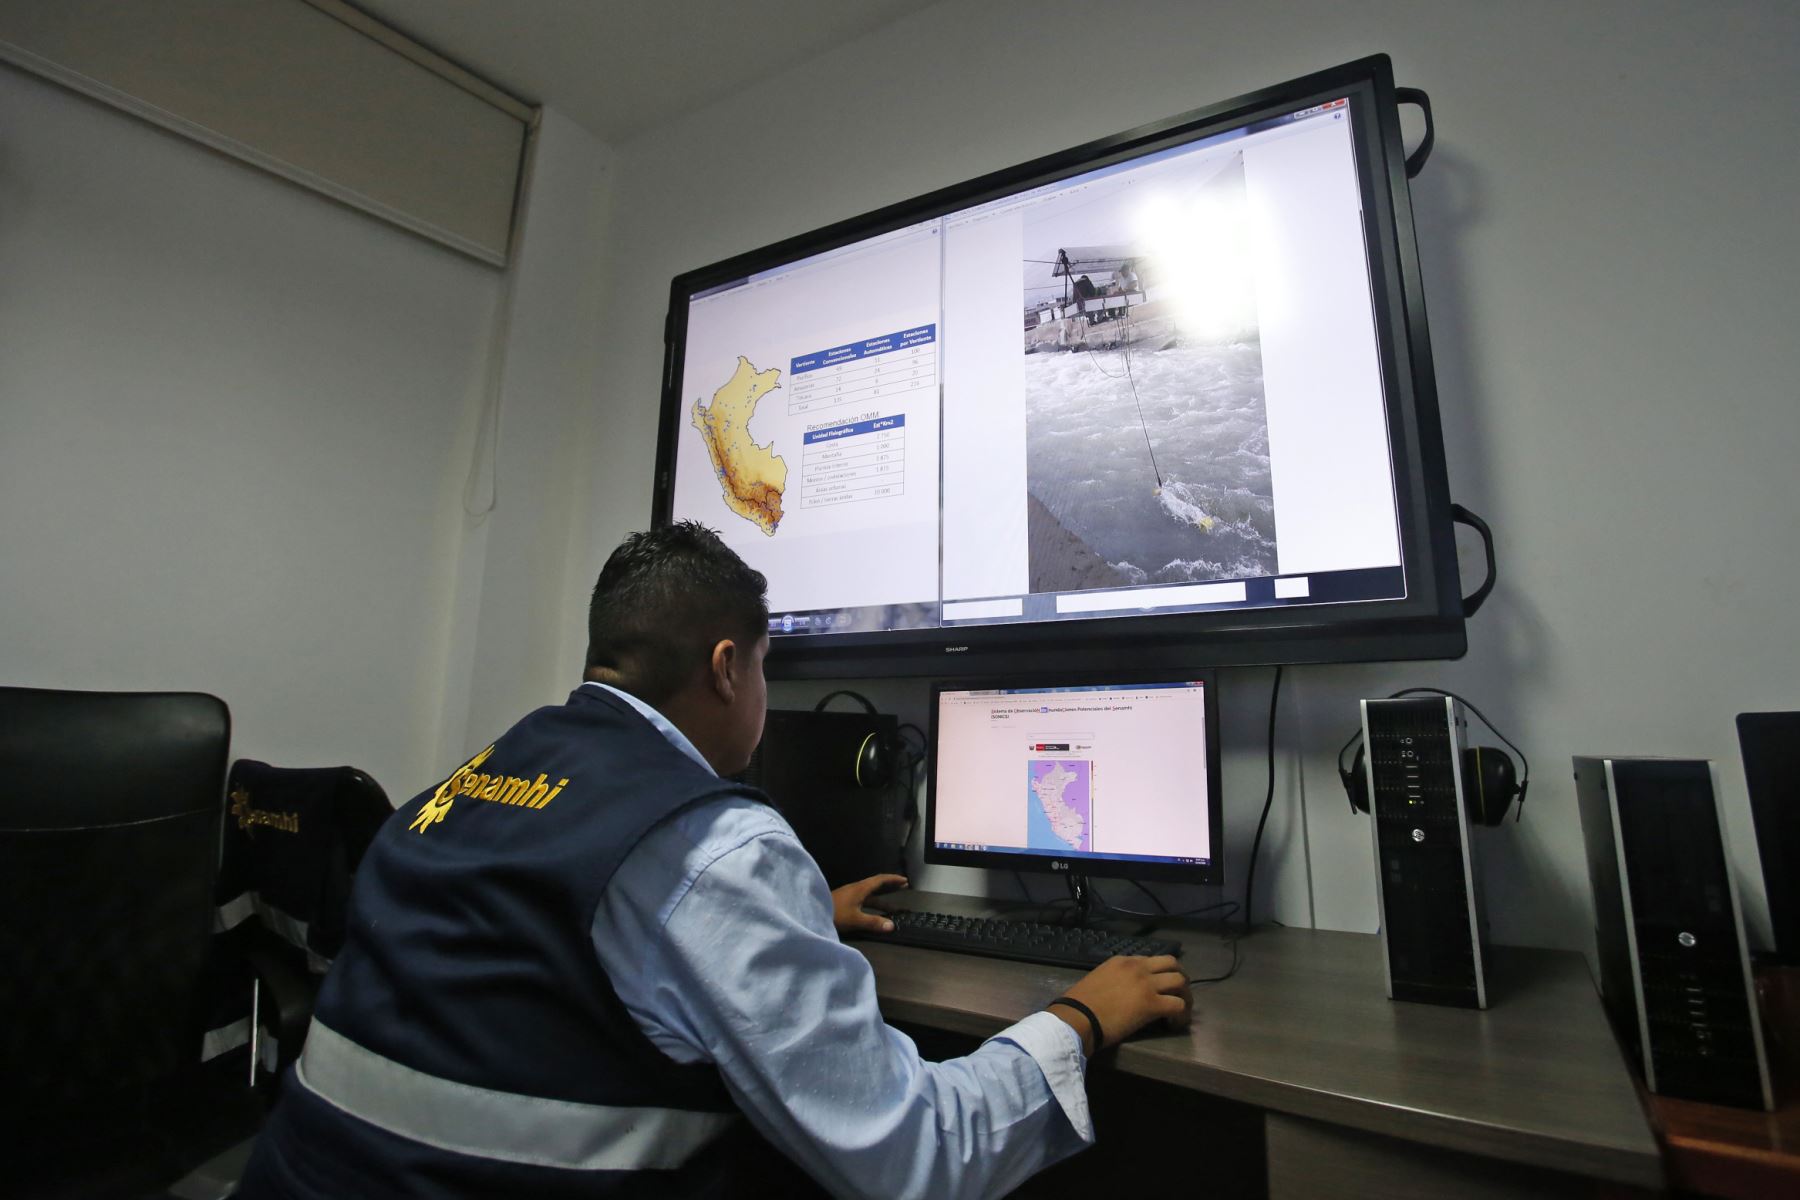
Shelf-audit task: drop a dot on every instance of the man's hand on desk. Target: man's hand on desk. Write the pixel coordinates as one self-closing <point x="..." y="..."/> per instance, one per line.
<point x="847" y="905"/>
<point x="1126" y="994"/>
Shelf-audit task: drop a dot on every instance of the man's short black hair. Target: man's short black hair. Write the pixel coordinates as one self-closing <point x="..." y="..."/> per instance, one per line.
<point x="664" y="599"/>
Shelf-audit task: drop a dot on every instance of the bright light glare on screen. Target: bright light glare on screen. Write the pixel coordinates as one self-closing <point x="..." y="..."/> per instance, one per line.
<point x="1201" y="246"/>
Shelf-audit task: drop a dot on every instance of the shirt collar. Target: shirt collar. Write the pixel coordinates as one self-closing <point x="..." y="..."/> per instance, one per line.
<point x="675" y="737"/>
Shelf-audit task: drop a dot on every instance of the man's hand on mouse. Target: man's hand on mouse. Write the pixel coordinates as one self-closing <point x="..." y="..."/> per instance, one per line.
<point x="847" y="905"/>
<point x="1127" y="993"/>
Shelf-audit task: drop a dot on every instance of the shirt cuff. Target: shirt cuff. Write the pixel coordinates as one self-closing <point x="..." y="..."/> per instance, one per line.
<point x="1054" y="1045"/>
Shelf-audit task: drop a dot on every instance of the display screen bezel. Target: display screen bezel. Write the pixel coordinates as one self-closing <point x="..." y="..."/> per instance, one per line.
<point x="1426" y="623"/>
<point x="1202" y="874"/>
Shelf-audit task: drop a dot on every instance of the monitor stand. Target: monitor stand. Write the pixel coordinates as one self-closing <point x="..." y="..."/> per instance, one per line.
<point x="1082" y="893"/>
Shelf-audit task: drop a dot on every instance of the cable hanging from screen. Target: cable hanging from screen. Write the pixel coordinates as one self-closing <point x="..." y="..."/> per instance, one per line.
<point x="1268" y="800"/>
<point x="1142" y="424"/>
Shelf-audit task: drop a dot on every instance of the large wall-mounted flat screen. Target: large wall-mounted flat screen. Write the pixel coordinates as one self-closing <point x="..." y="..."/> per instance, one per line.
<point x="1162" y="399"/>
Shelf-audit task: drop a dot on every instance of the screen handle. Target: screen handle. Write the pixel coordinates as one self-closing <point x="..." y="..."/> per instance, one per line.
<point x="1463" y="516"/>
<point x="1415" y="162"/>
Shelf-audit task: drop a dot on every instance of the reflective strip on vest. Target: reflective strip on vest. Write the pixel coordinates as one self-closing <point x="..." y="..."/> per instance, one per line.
<point x="502" y="1126"/>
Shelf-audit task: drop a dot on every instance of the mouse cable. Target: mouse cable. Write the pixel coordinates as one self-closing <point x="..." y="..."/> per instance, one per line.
<point x="1039" y="908"/>
<point x="1106" y="907"/>
<point x="1229" y="907"/>
<point x="1160" y="906"/>
<point x="1229" y="971"/>
<point x="1268" y="799"/>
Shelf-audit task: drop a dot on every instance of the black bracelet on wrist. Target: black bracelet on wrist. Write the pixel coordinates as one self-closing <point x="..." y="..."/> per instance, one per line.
<point x="1084" y="1010"/>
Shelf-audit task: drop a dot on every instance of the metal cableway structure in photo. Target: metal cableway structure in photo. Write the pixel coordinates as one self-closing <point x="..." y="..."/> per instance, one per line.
<point x="1109" y="298"/>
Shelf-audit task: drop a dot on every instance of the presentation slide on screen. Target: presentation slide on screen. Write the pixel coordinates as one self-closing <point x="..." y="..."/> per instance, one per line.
<point x="1114" y="772"/>
<point x="1129" y="390"/>
<point x="810" y="425"/>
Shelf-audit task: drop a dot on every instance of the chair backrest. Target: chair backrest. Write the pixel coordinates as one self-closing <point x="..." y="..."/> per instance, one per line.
<point x="110" y="809"/>
<point x="293" y="839"/>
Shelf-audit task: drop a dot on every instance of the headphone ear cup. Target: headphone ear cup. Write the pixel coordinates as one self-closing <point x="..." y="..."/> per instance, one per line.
<point x="1490" y="783"/>
<point x="874" y="762"/>
<point x="1356" y="783"/>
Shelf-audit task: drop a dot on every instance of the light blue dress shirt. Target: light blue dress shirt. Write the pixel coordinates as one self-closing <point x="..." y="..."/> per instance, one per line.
<point x="717" y="934"/>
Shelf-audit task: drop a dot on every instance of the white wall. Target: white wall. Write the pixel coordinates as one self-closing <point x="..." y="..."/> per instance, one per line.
<point x="236" y="421"/>
<point x="1607" y="242"/>
<point x="508" y="653"/>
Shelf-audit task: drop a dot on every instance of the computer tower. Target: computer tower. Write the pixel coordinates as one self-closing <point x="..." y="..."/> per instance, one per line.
<point x="1771" y="745"/>
<point x="1432" y="932"/>
<point x="816" y="769"/>
<point x="1669" y="934"/>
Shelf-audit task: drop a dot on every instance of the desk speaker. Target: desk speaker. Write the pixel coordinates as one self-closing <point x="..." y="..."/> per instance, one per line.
<point x="1668" y="930"/>
<point x="1431" y="928"/>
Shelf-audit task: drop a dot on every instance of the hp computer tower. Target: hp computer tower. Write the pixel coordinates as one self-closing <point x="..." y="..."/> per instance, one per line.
<point x="816" y="769"/>
<point x="1771" y="746"/>
<point x="1669" y="934"/>
<point x="1431" y="928"/>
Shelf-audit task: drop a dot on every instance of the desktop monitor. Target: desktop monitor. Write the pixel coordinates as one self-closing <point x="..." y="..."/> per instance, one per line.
<point x="1164" y="400"/>
<point x="1084" y="777"/>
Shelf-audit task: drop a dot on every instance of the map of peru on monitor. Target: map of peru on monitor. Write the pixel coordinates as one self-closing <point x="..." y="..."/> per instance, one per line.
<point x="1094" y="772"/>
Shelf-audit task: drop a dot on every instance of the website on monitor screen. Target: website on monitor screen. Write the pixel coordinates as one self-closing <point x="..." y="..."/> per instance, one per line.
<point x="1151" y="387"/>
<point x="1115" y="772"/>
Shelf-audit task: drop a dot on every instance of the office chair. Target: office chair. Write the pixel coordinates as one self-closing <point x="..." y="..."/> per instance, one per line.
<point x="110" y="805"/>
<point x="293" y="838"/>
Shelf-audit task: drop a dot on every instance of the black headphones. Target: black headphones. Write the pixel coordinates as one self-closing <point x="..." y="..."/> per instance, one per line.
<point x="873" y="766"/>
<point x="1490" y="780"/>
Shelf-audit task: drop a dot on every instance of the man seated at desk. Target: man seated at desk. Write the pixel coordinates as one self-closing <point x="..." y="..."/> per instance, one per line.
<point x="588" y="964"/>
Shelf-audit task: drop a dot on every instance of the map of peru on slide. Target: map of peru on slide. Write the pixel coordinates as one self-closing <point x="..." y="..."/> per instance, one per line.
<point x="752" y="477"/>
<point x="1062" y="804"/>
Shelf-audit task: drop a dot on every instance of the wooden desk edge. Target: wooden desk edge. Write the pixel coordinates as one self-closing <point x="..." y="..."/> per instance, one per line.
<point x="1724" y="1161"/>
<point x="1614" y="1162"/>
<point x="1638" y="1165"/>
<point x="1718" y="1169"/>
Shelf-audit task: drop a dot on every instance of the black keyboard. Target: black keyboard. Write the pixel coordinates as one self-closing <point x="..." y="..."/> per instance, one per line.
<point x="1027" y="941"/>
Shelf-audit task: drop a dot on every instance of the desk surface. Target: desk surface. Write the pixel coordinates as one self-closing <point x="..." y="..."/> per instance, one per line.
<point x="1305" y="1027"/>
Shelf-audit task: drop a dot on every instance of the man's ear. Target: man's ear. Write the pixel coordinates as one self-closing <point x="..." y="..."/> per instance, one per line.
<point x="724" y="667"/>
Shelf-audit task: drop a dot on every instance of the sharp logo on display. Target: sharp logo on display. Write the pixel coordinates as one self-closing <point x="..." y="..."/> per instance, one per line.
<point x="954" y="649"/>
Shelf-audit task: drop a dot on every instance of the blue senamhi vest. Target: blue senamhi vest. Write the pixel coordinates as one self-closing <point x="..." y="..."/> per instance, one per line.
<point x="467" y="1041"/>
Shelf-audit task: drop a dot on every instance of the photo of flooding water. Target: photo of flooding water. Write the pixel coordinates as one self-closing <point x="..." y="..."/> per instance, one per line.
<point x="1098" y="518"/>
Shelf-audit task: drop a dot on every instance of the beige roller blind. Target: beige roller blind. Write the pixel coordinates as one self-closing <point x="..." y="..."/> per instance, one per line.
<point x="310" y="89"/>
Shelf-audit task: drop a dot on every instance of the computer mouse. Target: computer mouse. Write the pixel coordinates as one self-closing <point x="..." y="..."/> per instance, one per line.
<point x="1164" y="1027"/>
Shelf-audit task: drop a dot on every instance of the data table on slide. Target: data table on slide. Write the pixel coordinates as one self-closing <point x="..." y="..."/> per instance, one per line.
<point x="859" y="460"/>
<point x="897" y="366"/>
